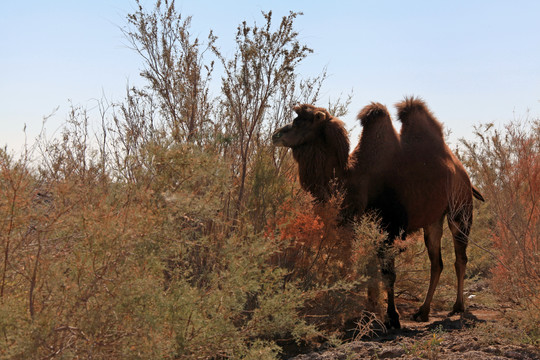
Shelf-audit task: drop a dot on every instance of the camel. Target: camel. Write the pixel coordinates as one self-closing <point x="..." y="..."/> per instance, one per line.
<point x="412" y="180"/>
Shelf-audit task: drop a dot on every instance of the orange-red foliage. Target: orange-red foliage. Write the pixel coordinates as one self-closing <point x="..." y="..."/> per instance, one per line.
<point x="311" y="244"/>
<point x="507" y="164"/>
<point x="517" y="227"/>
<point x="321" y="254"/>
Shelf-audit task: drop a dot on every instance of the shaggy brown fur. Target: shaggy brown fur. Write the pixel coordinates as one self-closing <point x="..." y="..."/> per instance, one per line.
<point x="418" y="119"/>
<point x="436" y="185"/>
<point x="370" y="164"/>
<point x="412" y="180"/>
<point x="369" y="185"/>
<point x="320" y="146"/>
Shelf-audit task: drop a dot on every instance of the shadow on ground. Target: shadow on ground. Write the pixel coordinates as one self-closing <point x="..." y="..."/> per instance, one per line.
<point x="443" y="337"/>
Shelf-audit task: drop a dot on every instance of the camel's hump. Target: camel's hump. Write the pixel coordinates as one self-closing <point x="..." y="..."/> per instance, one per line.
<point x="372" y="112"/>
<point x="413" y="113"/>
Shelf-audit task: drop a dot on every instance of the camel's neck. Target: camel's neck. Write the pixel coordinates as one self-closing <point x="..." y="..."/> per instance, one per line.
<point x="321" y="169"/>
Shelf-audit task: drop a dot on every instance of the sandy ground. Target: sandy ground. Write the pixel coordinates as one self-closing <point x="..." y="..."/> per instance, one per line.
<point x="456" y="337"/>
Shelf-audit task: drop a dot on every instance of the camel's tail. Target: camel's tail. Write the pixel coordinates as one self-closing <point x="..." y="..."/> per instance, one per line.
<point x="476" y="193"/>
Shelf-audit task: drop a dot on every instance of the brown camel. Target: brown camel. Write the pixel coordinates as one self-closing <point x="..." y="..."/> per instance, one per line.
<point x="412" y="180"/>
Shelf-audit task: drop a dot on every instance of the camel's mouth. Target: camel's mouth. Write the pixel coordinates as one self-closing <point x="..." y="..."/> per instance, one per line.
<point x="277" y="138"/>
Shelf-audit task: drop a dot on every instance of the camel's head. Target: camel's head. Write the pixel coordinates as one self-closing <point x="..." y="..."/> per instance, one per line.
<point x="305" y="128"/>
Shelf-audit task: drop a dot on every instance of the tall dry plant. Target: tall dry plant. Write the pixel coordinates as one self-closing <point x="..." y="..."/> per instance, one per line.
<point x="264" y="63"/>
<point x="175" y="68"/>
<point x="506" y="164"/>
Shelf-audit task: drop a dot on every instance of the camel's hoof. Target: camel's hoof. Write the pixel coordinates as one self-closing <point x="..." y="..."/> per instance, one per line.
<point x="420" y="316"/>
<point x="392" y="324"/>
<point x="458" y="309"/>
<point x="454" y="312"/>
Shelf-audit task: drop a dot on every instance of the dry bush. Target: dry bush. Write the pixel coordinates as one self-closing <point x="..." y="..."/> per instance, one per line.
<point x="333" y="262"/>
<point x="72" y="259"/>
<point x="103" y="268"/>
<point x="141" y="235"/>
<point x="312" y="245"/>
<point x="506" y="164"/>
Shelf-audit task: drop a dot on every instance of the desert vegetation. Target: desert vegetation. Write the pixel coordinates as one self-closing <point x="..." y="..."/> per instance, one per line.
<point x="166" y="225"/>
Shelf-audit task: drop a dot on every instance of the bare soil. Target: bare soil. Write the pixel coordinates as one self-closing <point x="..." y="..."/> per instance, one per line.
<point x="474" y="335"/>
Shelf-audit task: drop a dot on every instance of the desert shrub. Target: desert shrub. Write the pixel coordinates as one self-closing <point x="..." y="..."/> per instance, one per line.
<point x="269" y="189"/>
<point x="505" y="163"/>
<point x="168" y="227"/>
<point x="142" y="234"/>
<point x="242" y="301"/>
<point x="313" y="247"/>
<point x="112" y="269"/>
<point x="333" y="263"/>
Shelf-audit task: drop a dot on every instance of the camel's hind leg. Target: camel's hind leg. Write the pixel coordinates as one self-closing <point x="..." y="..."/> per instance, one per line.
<point x="460" y="226"/>
<point x="432" y="239"/>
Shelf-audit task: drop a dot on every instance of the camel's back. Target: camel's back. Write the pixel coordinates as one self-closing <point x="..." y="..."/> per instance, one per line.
<point x="433" y="180"/>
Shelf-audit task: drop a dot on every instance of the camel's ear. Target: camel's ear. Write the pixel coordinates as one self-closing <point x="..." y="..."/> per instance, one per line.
<point x="319" y="116"/>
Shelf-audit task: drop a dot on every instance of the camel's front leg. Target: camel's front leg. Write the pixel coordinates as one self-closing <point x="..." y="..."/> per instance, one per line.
<point x="389" y="278"/>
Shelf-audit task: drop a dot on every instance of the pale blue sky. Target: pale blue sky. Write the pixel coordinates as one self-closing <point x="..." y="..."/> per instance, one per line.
<point x="472" y="61"/>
